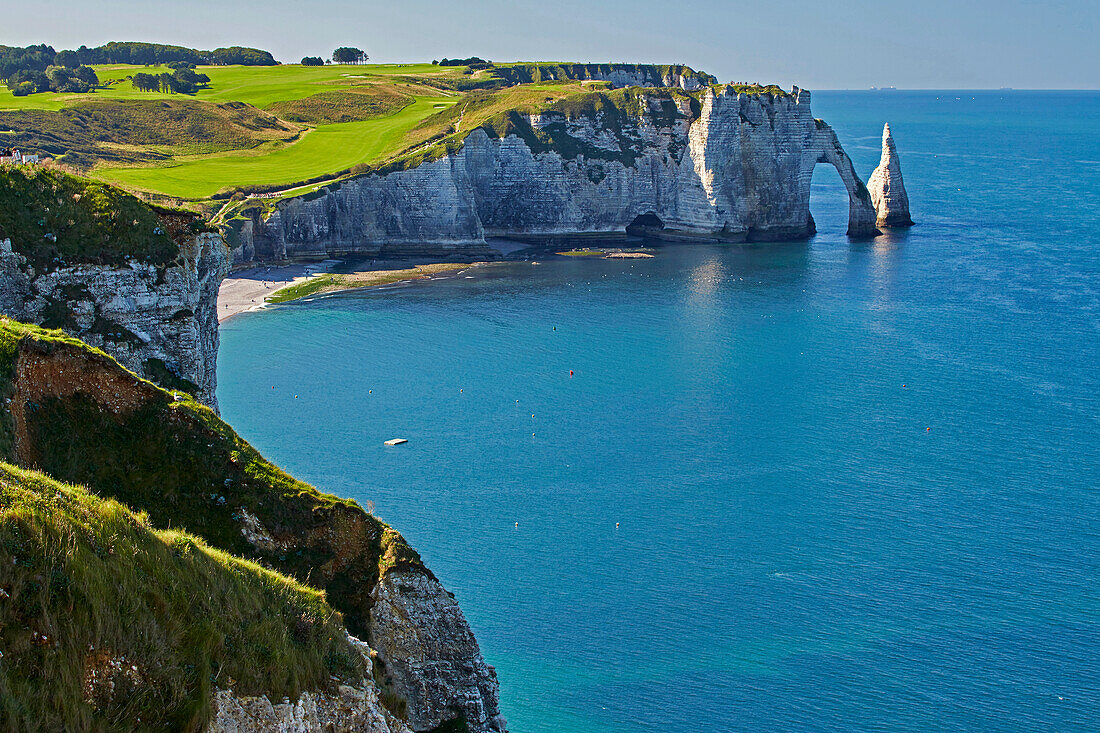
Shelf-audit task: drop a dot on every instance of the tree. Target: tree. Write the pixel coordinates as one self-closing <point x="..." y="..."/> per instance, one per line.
<point x="312" y="61"/>
<point x="349" y="55"/>
<point x="37" y="79"/>
<point x="64" y="79"/>
<point x="23" y="88"/>
<point x="68" y="59"/>
<point x="145" y="82"/>
<point x="243" y="56"/>
<point x="87" y="76"/>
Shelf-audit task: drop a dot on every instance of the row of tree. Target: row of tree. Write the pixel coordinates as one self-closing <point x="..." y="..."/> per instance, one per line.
<point x="342" y="55"/>
<point x="349" y="55"/>
<point x="184" y="80"/>
<point x="52" y="79"/>
<point x="40" y="68"/>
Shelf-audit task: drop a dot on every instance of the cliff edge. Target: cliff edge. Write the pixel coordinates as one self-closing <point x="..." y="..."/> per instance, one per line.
<point x="139" y="282"/>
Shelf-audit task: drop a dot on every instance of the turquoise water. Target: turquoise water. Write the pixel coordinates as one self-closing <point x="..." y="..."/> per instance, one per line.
<point x="796" y="550"/>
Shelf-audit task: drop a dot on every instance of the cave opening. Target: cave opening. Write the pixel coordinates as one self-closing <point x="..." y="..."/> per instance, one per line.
<point x="646" y="223"/>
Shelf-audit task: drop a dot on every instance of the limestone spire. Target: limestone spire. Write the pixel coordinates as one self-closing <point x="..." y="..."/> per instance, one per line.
<point x="886" y="187"/>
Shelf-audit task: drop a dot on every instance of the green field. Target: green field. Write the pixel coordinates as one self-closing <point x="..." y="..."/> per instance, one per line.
<point x="326" y="149"/>
<point x="255" y="85"/>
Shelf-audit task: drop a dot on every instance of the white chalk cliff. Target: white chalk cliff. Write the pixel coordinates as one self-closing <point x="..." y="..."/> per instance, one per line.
<point x="159" y="321"/>
<point x="886" y="187"/>
<point x="713" y="165"/>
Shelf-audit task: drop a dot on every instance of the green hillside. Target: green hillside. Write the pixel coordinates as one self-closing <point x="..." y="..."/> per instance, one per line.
<point x="109" y="624"/>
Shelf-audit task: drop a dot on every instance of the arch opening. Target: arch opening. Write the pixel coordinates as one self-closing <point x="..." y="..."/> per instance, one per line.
<point x="829" y="200"/>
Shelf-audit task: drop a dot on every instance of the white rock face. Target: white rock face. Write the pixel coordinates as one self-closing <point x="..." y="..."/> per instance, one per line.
<point x="428" y="650"/>
<point x="346" y="708"/>
<point x="735" y="167"/>
<point x="157" y="322"/>
<point x="886" y="187"/>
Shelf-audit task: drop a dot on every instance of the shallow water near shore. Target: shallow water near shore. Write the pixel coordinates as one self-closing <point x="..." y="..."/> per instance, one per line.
<point x="856" y="483"/>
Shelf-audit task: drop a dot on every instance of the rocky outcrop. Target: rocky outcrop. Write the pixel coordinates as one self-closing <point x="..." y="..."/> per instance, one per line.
<point x="886" y="187"/>
<point x="158" y="320"/>
<point x="430" y="654"/>
<point x="348" y="707"/>
<point x="717" y="165"/>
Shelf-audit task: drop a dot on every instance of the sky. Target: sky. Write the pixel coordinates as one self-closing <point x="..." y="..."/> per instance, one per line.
<point x="922" y="44"/>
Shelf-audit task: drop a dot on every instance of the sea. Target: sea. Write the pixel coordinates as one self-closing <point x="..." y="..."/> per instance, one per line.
<point x="830" y="485"/>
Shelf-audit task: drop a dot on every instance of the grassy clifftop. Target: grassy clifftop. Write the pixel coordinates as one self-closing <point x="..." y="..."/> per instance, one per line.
<point x="283" y="129"/>
<point x="54" y="218"/>
<point x="78" y="416"/>
<point x="108" y="623"/>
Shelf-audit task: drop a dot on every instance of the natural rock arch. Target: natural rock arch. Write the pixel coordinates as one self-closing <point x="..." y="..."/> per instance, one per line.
<point x="827" y="149"/>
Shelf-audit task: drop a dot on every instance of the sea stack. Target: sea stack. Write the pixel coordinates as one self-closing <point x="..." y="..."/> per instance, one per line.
<point x="886" y="187"/>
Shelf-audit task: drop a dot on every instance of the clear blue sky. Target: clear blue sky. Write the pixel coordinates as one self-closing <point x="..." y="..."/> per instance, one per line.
<point x="816" y="44"/>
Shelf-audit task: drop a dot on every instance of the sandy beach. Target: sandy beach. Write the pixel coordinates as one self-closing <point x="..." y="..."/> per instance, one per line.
<point x="245" y="290"/>
<point x="248" y="290"/>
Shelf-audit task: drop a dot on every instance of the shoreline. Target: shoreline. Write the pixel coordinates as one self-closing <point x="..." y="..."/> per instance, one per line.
<point x="248" y="290"/>
<point x="258" y="287"/>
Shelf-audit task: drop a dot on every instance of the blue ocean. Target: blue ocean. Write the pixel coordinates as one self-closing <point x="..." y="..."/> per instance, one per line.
<point x="830" y="485"/>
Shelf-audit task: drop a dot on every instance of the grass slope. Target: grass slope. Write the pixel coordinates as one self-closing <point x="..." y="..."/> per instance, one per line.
<point x="54" y="218"/>
<point x="133" y="131"/>
<point x="259" y="86"/>
<point x="327" y="149"/>
<point x="173" y="458"/>
<point x="109" y="624"/>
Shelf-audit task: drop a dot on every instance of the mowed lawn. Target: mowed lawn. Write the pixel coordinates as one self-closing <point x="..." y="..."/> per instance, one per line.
<point x="255" y="85"/>
<point x="326" y="149"/>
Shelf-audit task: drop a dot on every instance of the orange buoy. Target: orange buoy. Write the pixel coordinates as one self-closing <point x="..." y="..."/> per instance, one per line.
<point x="927" y="429"/>
<point x="570" y="372"/>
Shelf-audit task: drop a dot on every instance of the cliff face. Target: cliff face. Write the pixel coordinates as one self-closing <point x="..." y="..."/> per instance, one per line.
<point x="716" y="165"/>
<point x="75" y="414"/>
<point x="887" y="188"/>
<point x="159" y="321"/>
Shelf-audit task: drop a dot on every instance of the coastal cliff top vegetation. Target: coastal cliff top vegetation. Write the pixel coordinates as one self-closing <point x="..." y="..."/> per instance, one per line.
<point x="55" y="219"/>
<point x="73" y="412"/>
<point x="272" y="131"/>
<point x="108" y="623"/>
